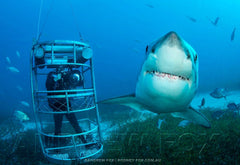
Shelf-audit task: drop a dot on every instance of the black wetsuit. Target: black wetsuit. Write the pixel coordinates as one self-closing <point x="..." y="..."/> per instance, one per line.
<point x="60" y="104"/>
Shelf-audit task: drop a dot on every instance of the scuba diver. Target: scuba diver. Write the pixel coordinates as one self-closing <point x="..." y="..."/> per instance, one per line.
<point x="63" y="80"/>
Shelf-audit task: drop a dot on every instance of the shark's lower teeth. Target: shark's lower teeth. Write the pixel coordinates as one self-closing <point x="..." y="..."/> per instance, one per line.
<point x="161" y="74"/>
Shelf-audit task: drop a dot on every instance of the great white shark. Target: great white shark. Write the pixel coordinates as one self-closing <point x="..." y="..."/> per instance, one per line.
<point x="168" y="80"/>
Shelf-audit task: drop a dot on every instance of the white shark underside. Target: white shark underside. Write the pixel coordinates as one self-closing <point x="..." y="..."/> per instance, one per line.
<point x="168" y="81"/>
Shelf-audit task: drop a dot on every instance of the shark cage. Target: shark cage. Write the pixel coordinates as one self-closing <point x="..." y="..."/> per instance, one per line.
<point x="64" y="101"/>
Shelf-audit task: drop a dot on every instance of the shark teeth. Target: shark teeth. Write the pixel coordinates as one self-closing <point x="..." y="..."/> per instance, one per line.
<point x="170" y="76"/>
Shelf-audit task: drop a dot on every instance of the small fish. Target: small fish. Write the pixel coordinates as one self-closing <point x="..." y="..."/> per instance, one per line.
<point x="191" y="19"/>
<point x="8" y="60"/>
<point x="159" y="123"/>
<point x="149" y="5"/>
<point x="233" y="34"/>
<point x="13" y="69"/>
<point x="136" y="50"/>
<point x="218" y="114"/>
<point x="184" y="123"/>
<point x="215" y="22"/>
<point x="219" y="93"/>
<point x="202" y="103"/>
<point x="19" y="88"/>
<point x="238" y="105"/>
<point x="21" y="116"/>
<point x="232" y="107"/>
<point x="26" y="104"/>
<point x="18" y="54"/>
<point x="137" y="41"/>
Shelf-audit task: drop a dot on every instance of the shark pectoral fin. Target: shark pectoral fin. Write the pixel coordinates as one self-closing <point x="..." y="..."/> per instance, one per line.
<point x="193" y="116"/>
<point x="129" y="100"/>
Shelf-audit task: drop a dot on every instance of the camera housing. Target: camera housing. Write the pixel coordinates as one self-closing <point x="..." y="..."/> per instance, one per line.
<point x="72" y="79"/>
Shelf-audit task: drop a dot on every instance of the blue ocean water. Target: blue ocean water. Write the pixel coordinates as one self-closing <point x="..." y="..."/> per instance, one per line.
<point x="118" y="32"/>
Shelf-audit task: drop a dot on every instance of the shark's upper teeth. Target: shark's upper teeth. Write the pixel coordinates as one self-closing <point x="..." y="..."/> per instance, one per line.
<point x="171" y="76"/>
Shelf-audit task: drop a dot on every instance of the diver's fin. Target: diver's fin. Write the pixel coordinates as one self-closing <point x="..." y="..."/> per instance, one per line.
<point x="193" y="116"/>
<point x="128" y="100"/>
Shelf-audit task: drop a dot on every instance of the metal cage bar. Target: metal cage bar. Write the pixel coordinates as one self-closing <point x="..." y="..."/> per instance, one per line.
<point x="48" y="105"/>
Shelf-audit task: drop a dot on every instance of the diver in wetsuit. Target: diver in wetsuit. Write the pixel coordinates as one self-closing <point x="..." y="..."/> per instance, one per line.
<point x="60" y="81"/>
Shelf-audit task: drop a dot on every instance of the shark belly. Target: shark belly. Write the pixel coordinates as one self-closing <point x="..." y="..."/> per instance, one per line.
<point x="163" y="95"/>
<point x="161" y="105"/>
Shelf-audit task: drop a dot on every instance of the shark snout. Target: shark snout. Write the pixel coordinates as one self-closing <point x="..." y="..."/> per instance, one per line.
<point x="172" y="39"/>
<point x="173" y="35"/>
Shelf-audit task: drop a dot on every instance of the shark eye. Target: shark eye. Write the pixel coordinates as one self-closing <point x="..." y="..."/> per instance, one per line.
<point x="153" y="50"/>
<point x="188" y="55"/>
<point x="147" y="49"/>
<point x="195" y="59"/>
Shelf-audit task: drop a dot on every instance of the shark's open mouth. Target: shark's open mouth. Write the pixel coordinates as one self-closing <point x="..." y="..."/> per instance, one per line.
<point x="168" y="75"/>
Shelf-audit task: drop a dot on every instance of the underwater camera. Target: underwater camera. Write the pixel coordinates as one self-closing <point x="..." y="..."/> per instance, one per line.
<point x="72" y="78"/>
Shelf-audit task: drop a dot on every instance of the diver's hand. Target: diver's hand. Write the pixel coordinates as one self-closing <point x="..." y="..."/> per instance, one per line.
<point x="57" y="77"/>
